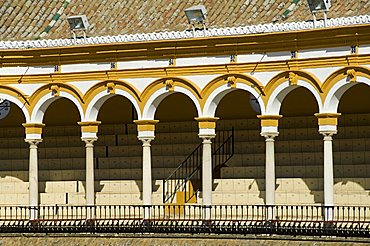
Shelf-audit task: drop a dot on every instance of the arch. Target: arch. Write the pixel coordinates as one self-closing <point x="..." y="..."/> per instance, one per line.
<point x="98" y="95"/>
<point x="154" y="94"/>
<point x="220" y="86"/>
<point x="280" y="86"/>
<point x="17" y="98"/>
<point x="44" y="96"/>
<point x="337" y="84"/>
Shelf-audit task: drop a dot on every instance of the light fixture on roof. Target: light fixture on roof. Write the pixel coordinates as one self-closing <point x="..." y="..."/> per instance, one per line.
<point x="196" y="16"/>
<point x="78" y="23"/>
<point x="317" y="6"/>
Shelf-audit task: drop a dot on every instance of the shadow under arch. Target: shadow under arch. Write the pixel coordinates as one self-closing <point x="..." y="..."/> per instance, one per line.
<point x="350" y="145"/>
<point x="14" y="158"/>
<point x="239" y="109"/>
<point x="158" y="90"/>
<point x="299" y="151"/>
<point x="176" y="136"/>
<point x="219" y="87"/>
<point x="61" y="153"/>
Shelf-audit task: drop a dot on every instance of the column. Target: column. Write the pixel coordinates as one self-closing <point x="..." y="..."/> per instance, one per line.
<point x="270" y="167"/>
<point x="207" y="126"/>
<point x="89" y="189"/>
<point x="89" y="130"/>
<point x="33" y="138"/>
<point x="146" y="134"/>
<point x="269" y="130"/>
<point x="328" y="127"/>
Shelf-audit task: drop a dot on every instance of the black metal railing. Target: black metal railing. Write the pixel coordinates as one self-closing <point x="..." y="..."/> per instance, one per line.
<point x="178" y="179"/>
<point x="187" y="176"/>
<point x="218" y="219"/>
<point x="223" y="150"/>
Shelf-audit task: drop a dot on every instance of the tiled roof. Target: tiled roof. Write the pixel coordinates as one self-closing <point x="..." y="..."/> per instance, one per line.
<point x="46" y="19"/>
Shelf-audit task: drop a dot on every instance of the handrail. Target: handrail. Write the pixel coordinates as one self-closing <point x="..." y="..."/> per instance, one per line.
<point x="179" y="179"/>
<point x="190" y="218"/>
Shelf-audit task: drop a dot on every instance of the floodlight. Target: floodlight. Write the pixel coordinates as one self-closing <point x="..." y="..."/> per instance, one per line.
<point x="196" y="14"/>
<point x="319" y="5"/>
<point x="78" y="22"/>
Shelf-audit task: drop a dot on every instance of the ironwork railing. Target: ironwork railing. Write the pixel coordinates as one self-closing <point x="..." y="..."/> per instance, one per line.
<point x="221" y="219"/>
<point x="190" y="168"/>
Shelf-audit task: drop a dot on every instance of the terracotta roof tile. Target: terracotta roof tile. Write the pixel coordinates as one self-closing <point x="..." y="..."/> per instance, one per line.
<point x="25" y="19"/>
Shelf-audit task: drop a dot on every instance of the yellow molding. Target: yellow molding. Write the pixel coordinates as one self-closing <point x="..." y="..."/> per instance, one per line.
<point x="269" y="120"/>
<point x="33" y="128"/>
<point x="161" y="83"/>
<point x="145" y="125"/>
<point x="89" y="126"/>
<point x="207" y="122"/>
<point x="328" y="118"/>
<point x="232" y="68"/>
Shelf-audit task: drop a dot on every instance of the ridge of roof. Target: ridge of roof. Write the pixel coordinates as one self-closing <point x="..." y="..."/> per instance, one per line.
<point x="181" y="35"/>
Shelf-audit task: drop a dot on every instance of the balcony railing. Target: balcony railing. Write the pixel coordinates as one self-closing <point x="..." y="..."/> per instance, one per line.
<point x="220" y="219"/>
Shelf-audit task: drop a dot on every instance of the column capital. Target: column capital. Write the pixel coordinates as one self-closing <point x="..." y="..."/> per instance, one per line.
<point x="89" y="142"/>
<point x="207" y="137"/>
<point x="33" y="142"/>
<point x="146" y="140"/>
<point x="328" y="134"/>
<point x="269" y="135"/>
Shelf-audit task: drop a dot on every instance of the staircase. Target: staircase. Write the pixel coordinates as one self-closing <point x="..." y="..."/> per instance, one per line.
<point x="185" y="181"/>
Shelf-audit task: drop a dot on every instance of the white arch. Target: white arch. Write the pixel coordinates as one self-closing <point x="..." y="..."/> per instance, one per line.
<point x="156" y="98"/>
<point x="336" y="92"/>
<point x="17" y="102"/>
<point x="215" y="97"/>
<point x="39" y="110"/>
<point x="278" y="95"/>
<point x="96" y="103"/>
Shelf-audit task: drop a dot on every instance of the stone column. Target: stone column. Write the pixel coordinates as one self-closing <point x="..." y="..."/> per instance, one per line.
<point x="89" y="130"/>
<point x="207" y="126"/>
<point x="146" y="134"/>
<point x="90" y="180"/>
<point x="33" y="138"/>
<point x="269" y="130"/>
<point x="270" y="167"/>
<point x="328" y="127"/>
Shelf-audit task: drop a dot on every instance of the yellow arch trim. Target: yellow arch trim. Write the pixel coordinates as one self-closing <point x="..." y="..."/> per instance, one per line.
<point x="340" y="74"/>
<point x="284" y="76"/>
<point x="235" y="78"/>
<point x="102" y="86"/>
<point x="16" y="94"/>
<point x="45" y="89"/>
<point x="161" y="83"/>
